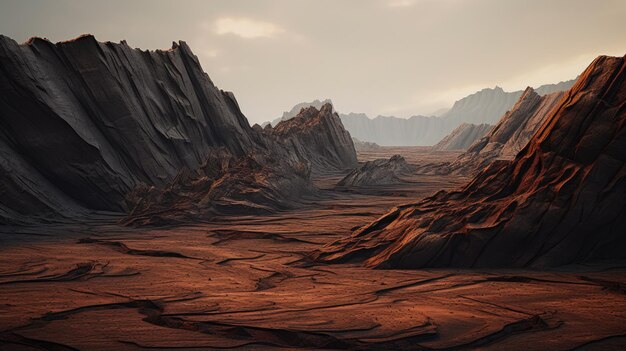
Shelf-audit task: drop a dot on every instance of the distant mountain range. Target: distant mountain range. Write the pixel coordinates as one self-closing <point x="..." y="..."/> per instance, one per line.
<point x="483" y="107"/>
<point x="462" y="137"/>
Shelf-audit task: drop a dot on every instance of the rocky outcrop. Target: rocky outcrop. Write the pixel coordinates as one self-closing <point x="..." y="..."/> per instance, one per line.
<point x="318" y="137"/>
<point x="378" y="172"/>
<point x="275" y="176"/>
<point x="97" y="119"/>
<point x="364" y="145"/>
<point x="483" y="107"/>
<point x="462" y="137"/>
<point x="88" y="126"/>
<point x="561" y="200"/>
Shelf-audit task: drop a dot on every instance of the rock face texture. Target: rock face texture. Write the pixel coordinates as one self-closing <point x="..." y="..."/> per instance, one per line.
<point x="319" y="137"/>
<point x="87" y="126"/>
<point x="94" y="120"/>
<point x="275" y="176"/>
<point x="462" y="137"/>
<point x="561" y="200"/>
<point x="377" y="172"/>
<point x="258" y="183"/>
<point x="483" y="107"/>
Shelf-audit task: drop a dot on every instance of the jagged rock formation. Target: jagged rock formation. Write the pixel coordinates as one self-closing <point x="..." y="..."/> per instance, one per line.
<point x="258" y="183"/>
<point x="97" y="119"/>
<point x="364" y="145"/>
<point x="319" y="137"/>
<point x="377" y="172"/>
<point x="287" y="115"/>
<point x="276" y="176"/>
<point x="562" y="200"/>
<point x="508" y="137"/>
<point x="462" y="137"/>
<point x="83" y="124"/>
<point x="483" y="107"/>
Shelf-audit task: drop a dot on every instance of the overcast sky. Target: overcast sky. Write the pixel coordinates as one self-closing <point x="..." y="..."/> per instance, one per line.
<point x="389" y="57"/>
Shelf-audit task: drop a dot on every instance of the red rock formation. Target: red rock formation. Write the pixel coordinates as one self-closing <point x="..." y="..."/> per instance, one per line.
<point x="561" y="200"/>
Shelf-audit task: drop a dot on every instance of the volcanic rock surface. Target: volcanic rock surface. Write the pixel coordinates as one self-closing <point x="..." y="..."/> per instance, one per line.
<point x="378" y="172"/>
<point x="93" y="120"/>
<point x="463" y="137"/>
<point x="561" y="200"/>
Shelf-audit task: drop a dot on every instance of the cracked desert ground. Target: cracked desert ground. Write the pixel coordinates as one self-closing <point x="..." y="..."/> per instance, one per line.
<point x="246" y="283"/>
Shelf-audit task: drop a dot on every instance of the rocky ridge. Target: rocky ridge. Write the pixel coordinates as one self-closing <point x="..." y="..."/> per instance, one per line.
<point x="89" y="126"/>
<point x="319" y="137"/>
<point x="561" y="200"/>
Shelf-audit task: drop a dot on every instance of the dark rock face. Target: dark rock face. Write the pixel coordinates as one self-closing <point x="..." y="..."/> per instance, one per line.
<point x="561" y="200"/>
<point x="378" y="172"/>
<point x="90" y="126"/>
<point x="319" y="137"/>
<point x="462" y="137"/>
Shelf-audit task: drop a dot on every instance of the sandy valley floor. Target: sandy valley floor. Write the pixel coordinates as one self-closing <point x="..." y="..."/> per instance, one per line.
<point x="246" y="283"/>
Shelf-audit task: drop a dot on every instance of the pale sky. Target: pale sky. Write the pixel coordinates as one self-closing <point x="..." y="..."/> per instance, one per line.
<point x="389" y="57"/>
